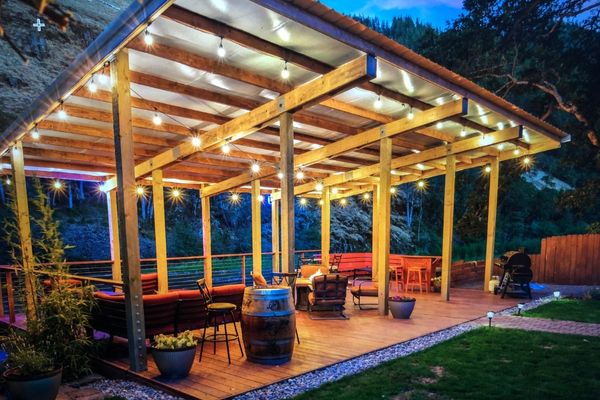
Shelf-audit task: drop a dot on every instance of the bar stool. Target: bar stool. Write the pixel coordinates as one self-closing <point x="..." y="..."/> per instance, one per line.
<point x="416" y="273"/>
<point x="397" y="273"/>
<point x="218" y="312"/>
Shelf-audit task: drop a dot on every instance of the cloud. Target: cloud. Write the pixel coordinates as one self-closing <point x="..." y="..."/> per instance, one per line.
<point x="388" y="5"/>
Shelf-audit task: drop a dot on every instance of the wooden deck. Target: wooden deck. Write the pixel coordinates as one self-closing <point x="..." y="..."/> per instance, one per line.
<point x="323" y="342"/>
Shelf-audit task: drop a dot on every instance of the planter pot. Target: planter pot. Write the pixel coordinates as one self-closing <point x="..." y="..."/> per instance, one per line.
<point x="40" y="387"/>
<point x="174" y="364"/>
<point x="401" y="309"/>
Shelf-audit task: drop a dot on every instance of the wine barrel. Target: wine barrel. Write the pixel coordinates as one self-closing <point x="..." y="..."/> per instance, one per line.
<point x="268" y="324"/>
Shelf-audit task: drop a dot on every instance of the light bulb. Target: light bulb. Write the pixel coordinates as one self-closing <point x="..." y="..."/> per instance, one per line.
<point x="303" y="201"/>
<point x="57" y="185"/>
<point x="62" y="114"/>
<point x="334" y="190"/>
<point x="421" y="167"/>
<point x="439" y="125"/>
<point x="501" y="146"/>
<point x="226" y="148"/>
<point x="35" y="134"/>
<point x="321" y="202"/>
<point x="156" y="119"/>
<point x="196" y="141"/>
<point x="221" y="50"/>
<point x="392" y="190"/>
<point x="280" y="175"/>
<point x="8" y="181"/>
<point x="343" y="202"/>
<point x="500" y="126"/>
<point x="140" y="190"/>
<point x="319" y="187"/>
<point x="235" y="197"/>
<point x="148" y="39"/>
<point x="516" y="152"/>
<point x="378" y="103"/>
<point x="92" y="87"/>
<point x="421" y="184"/>
<point x="103" y="79"/>
<point x="285" y="72"/>
<point x="255" y="167"/>
<point x="366" y="196"/>
<point x="487" y="169"/>
<point x="261" y="198"/>
<point x="526" y="160"/>
<point x="300" y="175"/>
<point x="411" y="114"/>
<point x="175" y="193"/>
<point x="463" y="132"/>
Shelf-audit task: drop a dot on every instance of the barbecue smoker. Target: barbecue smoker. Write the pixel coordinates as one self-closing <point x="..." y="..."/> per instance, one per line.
<point x="517" y="274"/>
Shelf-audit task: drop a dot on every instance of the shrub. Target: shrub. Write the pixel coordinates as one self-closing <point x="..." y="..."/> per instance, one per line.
<point x="170" y="342"/>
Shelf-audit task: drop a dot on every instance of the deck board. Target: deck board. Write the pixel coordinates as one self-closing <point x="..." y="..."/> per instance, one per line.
<point x="323" y="343"/>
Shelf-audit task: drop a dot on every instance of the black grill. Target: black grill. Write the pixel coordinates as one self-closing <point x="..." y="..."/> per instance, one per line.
<point x="517" y="274"/>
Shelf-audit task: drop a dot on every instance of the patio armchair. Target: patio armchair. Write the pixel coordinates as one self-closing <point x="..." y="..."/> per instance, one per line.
<point x="329" y="292"/>
<point x="365" y="288"/>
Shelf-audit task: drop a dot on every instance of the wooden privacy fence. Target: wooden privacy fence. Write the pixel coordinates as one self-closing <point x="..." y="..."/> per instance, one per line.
<point x="568" y="260"/>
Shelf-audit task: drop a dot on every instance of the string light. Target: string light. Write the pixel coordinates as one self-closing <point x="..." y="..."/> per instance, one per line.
<point x="378" y="103"/>
<point x="103" y="79"/>
<point x="285" y="72"/>
<point x="280" y="175"/>
<point x="321" y="202"/>
<point x="303" y="201"/>
<point x="255" y="167"/>
<point x="140" y="191"/>
<point x="501" y="146"/>
<point x="261" y="198"/>
<point x="148" y="39"/>
<point x="35" y="134"/>
<point x="234" y="198"/>
<point x="156" y="119"/>
<point x="221" y="52"/>
<point x="62" y="114"/>
<point x="500" y="126"/>
<point x="420" y="166"/>
<point x="57" y="185"/>
<point x="226" y="148"/>
<point x="516" y="152"/>
<point x="463" y="132"/>
<point x="300" y="175"/>
<point x="8" y="181"/>
<point x="366" y="196"/>
<point x="319" y="187"/>
<point x="92" y="87"/>
<point x="421" y="184"/>
<point x="487" y="169"/>
<point x="439" y="125"/>
<point x="334" y="190"/>
<point x="196" y="142"/>
<point x="176" y="193"/>
<point x="411" y="114"/>
<point x="343" y="202"/>
<point x="393" y="190"/>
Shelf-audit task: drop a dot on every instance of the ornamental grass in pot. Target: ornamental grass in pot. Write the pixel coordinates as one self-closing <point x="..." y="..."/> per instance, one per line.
<point x="174" y="355"/>
<point x="401" y="307"/>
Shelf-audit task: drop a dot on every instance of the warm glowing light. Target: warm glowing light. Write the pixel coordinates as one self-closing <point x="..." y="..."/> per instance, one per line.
<point x="516" y="152"/>
<point x="366" y="196"/>
<point x="500" y="126"/>
<point x="285" y="72"/>
<point x="501" y="146"/>
<point x="148" y="39"/>
<point x="280" y="175"/>
<point x="300" y="175"/>
<point x="439" y="125"/>
<point x="463" y="132"/>
<point x="140" y="190"/>
<point x="35" y="134"/>
<point x="261" y="198"/>
<point x="421" y="167"/>
<point x="319" y="187"/>
<point x="57" y="185"/>
<point x="226" y="149"/>
<point x="156" y="119"/>
<point x="196" y="141"/>
<point x="343" y="202"/>
<point x="421" y="185"/>
<point x="303" y="201"/>
<point x="321" y="202"/>
<point x="92" y="87"/>
<point x="439" y="100"/>
<point x="62" y="114"/>
<point x="221" y="52"/>
<point x="393" y="190"/>
<point x="378" y="103"/>
<point x="103" y="79"/>
<point x="487" y="169"/>
<point x="255" y="167"/>
<point x="234" y="198"/>
<point x="334" y="190"/>
<point x="411" y="114"/>
<point x="8" y="181"/>
<point x="175" y="193"/>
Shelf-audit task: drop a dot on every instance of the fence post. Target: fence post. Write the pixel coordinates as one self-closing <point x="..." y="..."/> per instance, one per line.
<point x="244" y="270"/>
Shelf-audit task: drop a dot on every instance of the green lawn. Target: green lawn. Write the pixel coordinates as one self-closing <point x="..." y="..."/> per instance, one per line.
<point x="568" y="310"/>
<point x="485" y="363"/>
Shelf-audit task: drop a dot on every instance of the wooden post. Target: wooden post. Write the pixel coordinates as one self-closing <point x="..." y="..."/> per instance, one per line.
<point x="286" y="167"/>
<point x="113" y="232"/>
<point x="128" y="211"/>
<point x="325" y="226"/>
<point x="160" y="231"/>
<point x="256" y="225"/>
<point x="206" y="240"/>
<point x="375" y="233"/>
<point x="448" y="225"/>
<point x="491" y="222"/>
<point x="275" y="234"/>
<point x="18" y="168"/>
<point x="384" y="215"/>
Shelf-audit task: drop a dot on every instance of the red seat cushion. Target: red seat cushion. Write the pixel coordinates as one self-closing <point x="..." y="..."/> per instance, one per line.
<point x="228" y="290"/>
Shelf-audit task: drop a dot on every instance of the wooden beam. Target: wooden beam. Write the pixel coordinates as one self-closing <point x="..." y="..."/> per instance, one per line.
<point x="375" y="233"/>
<point x="127" y="211"/>
<point x="206" y="240"/>
<point x="256" y="227"/>
<point x="325" y="226"/>
<point x="160" y="231"/>
<point x="447" y="230"/>
<point x="25" y="241"/>
<point x="347" y="75"/>
<point x="384" y="231"/>
<point x="275" y="248"/>
<point x="286" y="166"/>
<point x="491" y="221"/>
<point x="113" y="234"/>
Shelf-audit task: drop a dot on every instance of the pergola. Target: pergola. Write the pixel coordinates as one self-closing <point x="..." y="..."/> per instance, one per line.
<point x="281" y="97"/>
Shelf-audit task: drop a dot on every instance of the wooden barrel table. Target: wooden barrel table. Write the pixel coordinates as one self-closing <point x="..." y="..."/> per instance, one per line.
<point x="268" y="324"/>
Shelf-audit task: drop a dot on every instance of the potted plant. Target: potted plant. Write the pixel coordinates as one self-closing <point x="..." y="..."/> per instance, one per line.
<point x="32" y="374"/>
<point x="401" y="307"/>
<point x="174" y="355"/>
<point x="436" y="283"/>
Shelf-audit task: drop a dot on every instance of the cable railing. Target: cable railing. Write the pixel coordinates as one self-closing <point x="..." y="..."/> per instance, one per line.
<point x="183" y="272"/>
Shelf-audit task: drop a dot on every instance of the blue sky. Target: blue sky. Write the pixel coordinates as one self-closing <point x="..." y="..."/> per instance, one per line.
<point x="435" y="12"/>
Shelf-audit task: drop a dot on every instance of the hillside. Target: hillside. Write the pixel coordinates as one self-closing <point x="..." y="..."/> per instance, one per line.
<point x="19" y="82"/>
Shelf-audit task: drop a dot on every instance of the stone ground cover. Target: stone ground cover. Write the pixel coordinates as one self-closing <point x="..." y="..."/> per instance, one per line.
<point x="568" y="310"/>
<point x="484" y="363"/>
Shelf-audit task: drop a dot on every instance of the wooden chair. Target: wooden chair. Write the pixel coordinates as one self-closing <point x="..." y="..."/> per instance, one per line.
<point x="397" y="273"/>
<point x="334" y="262"/>
<point x="417" y="273"/>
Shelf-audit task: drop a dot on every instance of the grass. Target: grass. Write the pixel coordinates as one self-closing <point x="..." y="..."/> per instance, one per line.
<point x="484" y="363"/>
<point x="568" y="310"/>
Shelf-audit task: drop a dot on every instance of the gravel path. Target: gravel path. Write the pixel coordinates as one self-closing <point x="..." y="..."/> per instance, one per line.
<point x="130" y="390"/>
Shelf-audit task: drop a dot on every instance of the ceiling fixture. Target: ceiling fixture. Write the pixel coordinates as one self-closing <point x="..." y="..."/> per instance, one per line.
<point x="62" y="114"/>
<point x="148" y="39"/>
<point x="393" y="190"/>
<point x="57" y="184"/>
<point x="221" y="50"/>
<point x="156" y="119"/>
<point x="411" y="114"/>
<point x="285" y="72"/>
<point x="175" y="193"/>
<point x="35" y="134"/>
<point x="226" y="148"/>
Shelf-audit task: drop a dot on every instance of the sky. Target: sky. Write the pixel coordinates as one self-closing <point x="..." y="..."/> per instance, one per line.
<point x="435" y="12"/>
